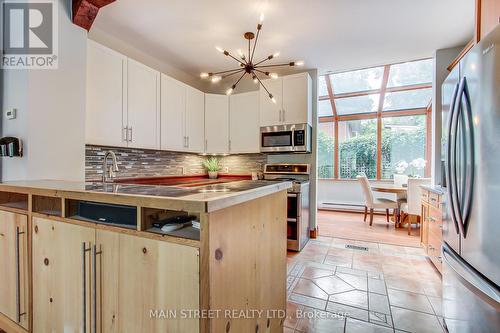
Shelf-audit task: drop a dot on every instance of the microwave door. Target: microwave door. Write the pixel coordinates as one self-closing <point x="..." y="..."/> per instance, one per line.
<point x="277" y="141"/>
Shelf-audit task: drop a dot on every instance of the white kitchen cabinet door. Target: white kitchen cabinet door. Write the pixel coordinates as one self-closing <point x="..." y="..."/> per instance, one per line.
<point x="270" y="113"/>
<point x="244" y="127"/>
<point x="143" y="105"/>
<point x="195" y="120"/>
<point x="297" y="99"/>
<point x="105" y="119"/>
<point x="216" y="124"/>
<point x="173" y="104"/>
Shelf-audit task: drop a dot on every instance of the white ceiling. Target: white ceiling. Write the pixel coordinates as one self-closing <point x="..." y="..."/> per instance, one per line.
<point x="331" y="35"/>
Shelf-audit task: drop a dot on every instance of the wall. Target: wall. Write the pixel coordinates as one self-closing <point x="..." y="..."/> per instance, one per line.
<point x="51" y="110"/>
<point x="142" y="57"/>
<point x="154" y="163"/>
<point x="344" y="194"/>
<point x="442" y="59"/>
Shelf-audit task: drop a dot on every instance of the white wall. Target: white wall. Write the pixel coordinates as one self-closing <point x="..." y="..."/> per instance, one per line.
<point x="51" y="111"/>
<point x="344" y="194"/>
<point x="442" y="59"/>
<point x="141" y="56"/>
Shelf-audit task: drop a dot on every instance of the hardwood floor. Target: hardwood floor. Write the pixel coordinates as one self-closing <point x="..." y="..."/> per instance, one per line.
<point x="351" y="226"/>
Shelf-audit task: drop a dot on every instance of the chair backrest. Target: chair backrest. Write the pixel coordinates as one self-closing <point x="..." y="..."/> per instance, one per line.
<point x="414" y="194"/>
<point x="400" y="180"/>
<point x="367" y="190"/>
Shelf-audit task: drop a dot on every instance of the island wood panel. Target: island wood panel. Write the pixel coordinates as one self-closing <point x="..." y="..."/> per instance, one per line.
<point x="58" y="276"/>
<point x="156" y="276"/>
<point x="247" y="261"/>
<point x="9" y="283"/>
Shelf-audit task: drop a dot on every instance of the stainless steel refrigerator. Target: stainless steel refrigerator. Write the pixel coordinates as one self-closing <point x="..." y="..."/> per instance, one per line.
<point x="471" y="221"/>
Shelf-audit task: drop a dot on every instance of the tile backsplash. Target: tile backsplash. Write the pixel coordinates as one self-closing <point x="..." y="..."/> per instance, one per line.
<point x="153" y="163"/>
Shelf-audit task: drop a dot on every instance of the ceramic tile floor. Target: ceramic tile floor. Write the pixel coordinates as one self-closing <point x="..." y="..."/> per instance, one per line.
<point x="386" y="288"/>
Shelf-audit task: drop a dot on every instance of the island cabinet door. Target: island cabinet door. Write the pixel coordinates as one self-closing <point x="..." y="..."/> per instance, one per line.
<point x="158" y="287"/>
<point x="14" y="267"/>
<point x="61" y="276"/>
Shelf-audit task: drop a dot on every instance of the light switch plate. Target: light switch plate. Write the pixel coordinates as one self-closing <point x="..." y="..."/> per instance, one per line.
<point x="11" y="114"/>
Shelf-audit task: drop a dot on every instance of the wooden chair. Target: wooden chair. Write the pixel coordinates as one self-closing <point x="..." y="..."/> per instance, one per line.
<point x="373" y="203"/>
<point x="410" y="209"/>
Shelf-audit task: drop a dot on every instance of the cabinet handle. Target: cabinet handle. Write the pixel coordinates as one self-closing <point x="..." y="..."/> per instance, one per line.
<point x="206" y="145"/>
<point x="280" y="114"/>
<point x="129" y="134"/>
<point x="229" y="145"/>
<point x="283" y="114"/>
<point x="84" y="286"/>
<point x="95" y="253"/>
<point x="18" y="277"/>
<point x="187" y="145"/>
<point x="125" y="134"/>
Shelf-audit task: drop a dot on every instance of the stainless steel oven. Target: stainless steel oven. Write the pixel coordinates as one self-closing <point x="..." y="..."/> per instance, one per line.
<point x="294" y="138"/>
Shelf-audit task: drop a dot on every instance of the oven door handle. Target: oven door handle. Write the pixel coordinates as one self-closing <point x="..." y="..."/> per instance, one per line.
<point x="292" y="195"/>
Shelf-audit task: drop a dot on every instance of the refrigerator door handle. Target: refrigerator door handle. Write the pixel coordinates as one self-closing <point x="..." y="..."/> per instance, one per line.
<point x="469" y="161"/>
<point x="453" y="159"/>
<point x="449" y="156"/>
<point x="470" y="278"/>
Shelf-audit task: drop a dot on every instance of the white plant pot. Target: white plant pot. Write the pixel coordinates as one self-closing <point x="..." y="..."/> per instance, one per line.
<point x="213" y="174"/>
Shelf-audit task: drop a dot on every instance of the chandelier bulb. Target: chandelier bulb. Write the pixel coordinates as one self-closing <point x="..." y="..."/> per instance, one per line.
<point x="272" y="98"/>
<point x="273" y="75"/>
<point x="216" y="78"/>
<point x="204" y="75"/>
<point x="220" y="49"/>
<point x="242" y="55"/>
<point x="276" y="54"/>
<point x="255" y="80"/>
<point x="229" y="91"/>
<point x="261" y="18"/>
<point x="299" y="63"/>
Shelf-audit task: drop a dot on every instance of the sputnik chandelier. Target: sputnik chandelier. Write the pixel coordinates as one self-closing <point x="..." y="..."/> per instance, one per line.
<point x="247" y="64"/>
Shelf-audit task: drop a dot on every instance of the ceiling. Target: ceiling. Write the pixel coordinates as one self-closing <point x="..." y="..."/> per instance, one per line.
<point x="331" y="35"/>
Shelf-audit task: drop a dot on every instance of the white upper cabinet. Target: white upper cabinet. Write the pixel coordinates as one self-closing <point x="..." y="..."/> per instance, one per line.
<point x="143" y="104"/>
<point x="105" y="119"/>
<point x="297" y="99"/>
<point x="270" y="112"/>
<point x="244" y="131"/>
<point x="293" y="94"/>
<point x="173" y="105"/>
<point x="195" y="120"/>
<point x="182" y="116"/>
<point x="216" y="124"/>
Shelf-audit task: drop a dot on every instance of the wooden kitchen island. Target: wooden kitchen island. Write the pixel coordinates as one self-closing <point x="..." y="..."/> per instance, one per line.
<point x="61" y="272"/>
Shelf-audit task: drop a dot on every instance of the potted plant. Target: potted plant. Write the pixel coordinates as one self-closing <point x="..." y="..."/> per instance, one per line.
<point x="413" y="170"/>
<point x="212" y="165"/>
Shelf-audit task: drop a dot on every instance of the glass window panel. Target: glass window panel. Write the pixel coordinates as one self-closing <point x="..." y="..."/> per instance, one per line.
<point x="409" y="99"/>
<point x="322" y="89"/>
<point x="358" y="148"/>
<point x="408" y="73"/>
<point x="326" y="141"/>
<point x="360" y="80"/>
<point x="358" y="104"/>
<point x="325" y="108"/>
<point x="403" y="146"/>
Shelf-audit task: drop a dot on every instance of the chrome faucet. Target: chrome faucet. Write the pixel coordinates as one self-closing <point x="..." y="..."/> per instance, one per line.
<point x="109" y="172"/>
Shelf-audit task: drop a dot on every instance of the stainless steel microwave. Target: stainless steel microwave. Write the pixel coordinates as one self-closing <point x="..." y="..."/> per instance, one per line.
<point x="294" y="138"/>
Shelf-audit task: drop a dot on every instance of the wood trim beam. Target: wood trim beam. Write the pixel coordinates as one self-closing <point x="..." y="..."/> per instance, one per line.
<point x="461" y="54"/>
<point x="385" y="79"/>
<point x="85" y="11"/>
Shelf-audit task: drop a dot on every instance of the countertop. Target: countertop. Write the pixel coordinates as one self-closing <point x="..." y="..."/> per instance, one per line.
<point x="204" y="198"/>
<point x="434" y="188"/>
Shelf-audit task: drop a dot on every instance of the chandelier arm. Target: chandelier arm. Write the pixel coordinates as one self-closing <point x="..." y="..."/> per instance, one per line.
<point x="238" y="60"/>
<point x="262" y="84"/>
<point x="230" y="70"/>
<point x="277" y="65"/>
<point x="234" y="85"/>
<point x="254" y="45"/>
<point x="231" y="74"/>
<point x="263" y="60"/>
<point x="262" y="72"/>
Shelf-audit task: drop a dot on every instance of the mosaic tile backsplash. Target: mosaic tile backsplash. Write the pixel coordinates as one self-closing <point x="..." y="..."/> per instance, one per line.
<point x="153" y="163"/>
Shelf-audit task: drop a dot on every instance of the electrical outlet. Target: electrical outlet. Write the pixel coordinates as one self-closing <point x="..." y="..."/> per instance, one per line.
<point x="10" y="114"/>
<point x="226" y="169"/>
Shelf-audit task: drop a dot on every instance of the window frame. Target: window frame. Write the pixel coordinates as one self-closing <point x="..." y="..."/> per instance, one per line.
<point x="379" y="114"/>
